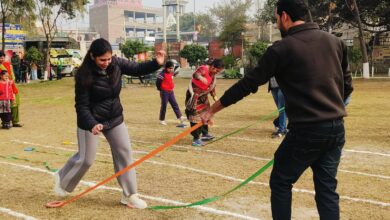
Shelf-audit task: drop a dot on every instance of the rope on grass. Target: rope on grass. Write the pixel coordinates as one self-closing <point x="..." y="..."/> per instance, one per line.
<point x="56" y="204"/>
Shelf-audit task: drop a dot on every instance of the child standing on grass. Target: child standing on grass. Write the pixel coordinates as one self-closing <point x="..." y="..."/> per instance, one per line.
<point x="7" y="95"/>
<point x="202" y="84"/>
<point x="165" y="85"/>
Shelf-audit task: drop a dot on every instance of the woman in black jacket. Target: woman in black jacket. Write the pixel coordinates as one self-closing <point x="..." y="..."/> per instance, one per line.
<point x="98" y="108"/>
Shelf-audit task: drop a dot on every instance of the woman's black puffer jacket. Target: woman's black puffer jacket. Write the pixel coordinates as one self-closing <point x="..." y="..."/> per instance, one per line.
<point x="100" y="102"/>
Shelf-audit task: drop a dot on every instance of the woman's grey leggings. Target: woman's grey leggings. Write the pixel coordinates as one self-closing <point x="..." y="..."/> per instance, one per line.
<point x="78" y="164"/>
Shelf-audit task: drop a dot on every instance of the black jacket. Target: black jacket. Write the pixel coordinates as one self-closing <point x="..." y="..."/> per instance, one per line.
<point x="311" y="68"/>
<point x="100" y="102"/>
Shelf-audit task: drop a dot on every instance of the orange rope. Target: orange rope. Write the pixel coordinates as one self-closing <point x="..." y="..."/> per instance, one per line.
<point x="56" y="204"/>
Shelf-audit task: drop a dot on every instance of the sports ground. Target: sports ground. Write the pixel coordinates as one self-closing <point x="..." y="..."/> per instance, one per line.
<point x="184" y="174"/>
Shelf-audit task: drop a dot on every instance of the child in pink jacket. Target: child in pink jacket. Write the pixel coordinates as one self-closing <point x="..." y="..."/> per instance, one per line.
<point x="7" y="95"/>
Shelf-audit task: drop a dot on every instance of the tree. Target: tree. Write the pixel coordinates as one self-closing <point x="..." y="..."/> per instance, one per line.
<point x="374" y="14"/>
<point x="257" y="50"/>
<point x="204" y="24"/>
<point x="233" y="19"/>
<point x="13" y="9"/>
<point x="33" y="55"/>
<point x="24" y="14"/>
<point x="131" y="48"/>
<point x="232" y="32"/>
<point x="194" y="53"/>
<point x="48" y="13"/>
<point x="230" y="10"/>
<point x="355" y="57"/>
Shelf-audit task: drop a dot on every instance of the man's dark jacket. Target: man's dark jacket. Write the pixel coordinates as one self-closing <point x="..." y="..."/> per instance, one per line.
<point x="311" y="68"/>
<point x="100" y="102"/>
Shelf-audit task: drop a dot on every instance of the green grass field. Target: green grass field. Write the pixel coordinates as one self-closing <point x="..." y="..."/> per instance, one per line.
<point x="184" y="174"/>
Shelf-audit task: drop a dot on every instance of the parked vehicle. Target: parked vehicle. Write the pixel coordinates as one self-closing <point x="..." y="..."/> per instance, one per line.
<point x="69" y="60"/>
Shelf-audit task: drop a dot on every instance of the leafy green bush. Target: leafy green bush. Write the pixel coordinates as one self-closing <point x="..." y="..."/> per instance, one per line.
<point x="194" y="54"/>
<point x="33" y="55"/>
<point x="229" y="61"/>
<point x="233" y="73"/>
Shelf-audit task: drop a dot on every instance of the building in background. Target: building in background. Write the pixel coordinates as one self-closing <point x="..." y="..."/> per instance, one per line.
<point x="118" y="20"/>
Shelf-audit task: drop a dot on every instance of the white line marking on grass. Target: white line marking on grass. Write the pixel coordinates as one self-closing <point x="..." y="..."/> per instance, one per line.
<point x="206" y="172"/>
<point x="16" y="214"/>
<point x="265" y="159"/>
<point x="365" y="174"/>
<point x="86" y="183"/>
<point x="241" y="180"/>
<point x="210" y="151"/>
<point x="262" y="141"/>
<point x="367" y="152"/>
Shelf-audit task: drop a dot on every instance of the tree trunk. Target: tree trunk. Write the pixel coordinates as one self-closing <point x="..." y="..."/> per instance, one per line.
<point x="47" y="70"/>
<point x="366" y="66"/>
<point x="3" y="34"/>
<point x="308" y="11"/>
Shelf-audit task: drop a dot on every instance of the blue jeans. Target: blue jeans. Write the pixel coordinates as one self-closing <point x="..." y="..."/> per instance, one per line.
<point x="314" y="145"/>
<point x="279" y="101"/>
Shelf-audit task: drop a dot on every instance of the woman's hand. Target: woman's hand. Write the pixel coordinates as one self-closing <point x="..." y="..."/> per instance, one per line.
<point x="97" y="129"/>
<point x="160" y="57"/>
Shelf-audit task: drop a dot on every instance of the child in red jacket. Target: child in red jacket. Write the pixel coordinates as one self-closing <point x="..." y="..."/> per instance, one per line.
<point x="7" y="95"/>
<point x="165" y="85"/>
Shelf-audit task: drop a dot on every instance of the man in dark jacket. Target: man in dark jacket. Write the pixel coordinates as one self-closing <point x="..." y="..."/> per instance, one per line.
<point x="311" y="69"/>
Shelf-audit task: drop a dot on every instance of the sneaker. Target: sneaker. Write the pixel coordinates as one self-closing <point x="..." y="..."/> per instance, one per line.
<point x="6" y="126"/>
<point x="163" y="123"/>
<point x="181" y="125"/>
<point x="133" y="201"/>
<point x="207" y="137"/>
<point x="59" y="191"/>
<point x="197" y="143"/>
<point x="17" y="125"/>
<point x="182" y="119"/>
<point x="278" y="134"/>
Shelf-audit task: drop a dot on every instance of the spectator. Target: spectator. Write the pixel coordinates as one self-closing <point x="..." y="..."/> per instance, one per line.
<point x="15" y="61"/>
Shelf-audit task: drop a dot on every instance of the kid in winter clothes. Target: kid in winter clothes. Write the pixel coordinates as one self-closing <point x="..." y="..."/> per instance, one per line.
<point x="165" y="85"/>
<point x="7" y="95"/>
<point x="202" y="84"/>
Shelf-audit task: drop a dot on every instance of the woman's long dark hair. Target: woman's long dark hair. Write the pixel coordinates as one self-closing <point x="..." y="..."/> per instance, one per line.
<point x="84" y="74"/>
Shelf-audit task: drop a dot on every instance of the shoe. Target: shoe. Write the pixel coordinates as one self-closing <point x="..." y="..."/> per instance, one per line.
<point x="197" y="143"/>
<point x="278" y="134"/>
<point x="182" y="119"/>
<point x="6" y="126"/>
<point x="17" y="125"/>
<point x="181" y="125"/>
<point x="207" y="137"/>
<point x="163" y="123"/>
<point x="133" y="201"/>
<point x="57" y="186"/>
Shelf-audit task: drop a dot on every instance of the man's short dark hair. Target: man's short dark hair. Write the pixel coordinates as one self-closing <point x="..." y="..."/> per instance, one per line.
<point x="296" y="9"/>
<point x="217" y="63"/>
<point x="2" y="54"/>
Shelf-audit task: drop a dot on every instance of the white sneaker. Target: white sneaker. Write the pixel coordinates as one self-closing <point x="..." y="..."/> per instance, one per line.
<point x="57" y="186"/>
<point x="163" y="123"/>
<point x="182" y="119"/>
<point x="133" y="201"/>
